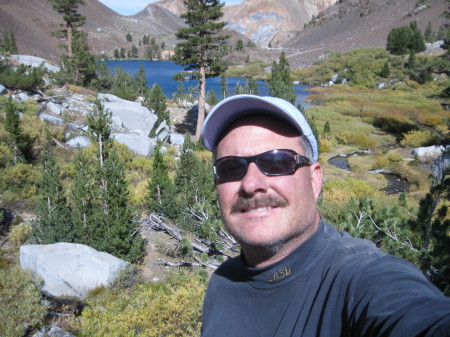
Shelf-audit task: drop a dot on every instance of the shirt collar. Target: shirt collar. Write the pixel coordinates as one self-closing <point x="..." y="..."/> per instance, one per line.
<point x="290" y="267"/>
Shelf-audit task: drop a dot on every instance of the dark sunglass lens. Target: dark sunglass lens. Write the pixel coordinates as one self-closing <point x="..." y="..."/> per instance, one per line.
<point x="277" y="162"/>
<point x="231" y="168"/>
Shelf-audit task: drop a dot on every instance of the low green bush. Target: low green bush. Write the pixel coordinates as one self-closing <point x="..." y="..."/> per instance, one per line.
<point x="22" y="78"/>
<point x="158" y="309"/>
<point x="417" y="138"/>
<point x="21" y="309"/>
<point x="357" y="139"/>
<point x="20" y="233"/>
<point x="342" y="190"/>
<point x="18" y="184"/>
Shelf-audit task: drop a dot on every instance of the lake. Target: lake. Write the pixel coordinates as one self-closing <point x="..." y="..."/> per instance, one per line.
<point x="161" y="72"/>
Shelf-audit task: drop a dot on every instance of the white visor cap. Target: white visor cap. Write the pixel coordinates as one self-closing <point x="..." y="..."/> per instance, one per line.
<point x="234" y="107"/>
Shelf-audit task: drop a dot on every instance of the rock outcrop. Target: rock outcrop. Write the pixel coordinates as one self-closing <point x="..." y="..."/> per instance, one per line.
<point x="69" y="269"/>
<point x="34" y="61"/>
<point x="130" y="115"/>
<point x="264" y="23"/>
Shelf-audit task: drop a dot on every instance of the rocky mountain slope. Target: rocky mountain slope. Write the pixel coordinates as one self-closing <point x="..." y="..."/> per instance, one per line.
<point x="33" y="22"/>
<point x="351" y="24"/>
<point x="307" y="30"/>
<point x="274" y="22"/>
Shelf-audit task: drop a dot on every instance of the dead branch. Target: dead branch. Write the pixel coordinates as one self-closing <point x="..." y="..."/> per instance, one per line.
<point x="157" y="222"/>
<point x="185" y="264"/>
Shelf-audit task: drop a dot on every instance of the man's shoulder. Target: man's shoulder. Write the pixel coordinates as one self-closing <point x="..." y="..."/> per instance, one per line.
<point x="340" y="242"/>
<point x="361" y="259"/>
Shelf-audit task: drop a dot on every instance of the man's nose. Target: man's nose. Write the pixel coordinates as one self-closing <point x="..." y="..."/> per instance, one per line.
<point x="254" y="180"/>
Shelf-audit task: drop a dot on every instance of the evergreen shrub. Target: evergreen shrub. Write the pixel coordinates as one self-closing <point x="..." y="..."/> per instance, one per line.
<point x="21" y="309"/>
<point x="22" y="78"/>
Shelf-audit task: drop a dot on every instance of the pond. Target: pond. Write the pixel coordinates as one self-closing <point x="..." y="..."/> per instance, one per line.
<point x="162" y="72"/>
<point x="395" y="183"/>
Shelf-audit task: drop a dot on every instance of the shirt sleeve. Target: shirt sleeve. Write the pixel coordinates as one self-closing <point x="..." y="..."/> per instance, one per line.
<point x="391" y="297"/>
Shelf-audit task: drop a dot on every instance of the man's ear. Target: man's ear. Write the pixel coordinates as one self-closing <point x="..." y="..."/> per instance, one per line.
<point x="316" y="178"/>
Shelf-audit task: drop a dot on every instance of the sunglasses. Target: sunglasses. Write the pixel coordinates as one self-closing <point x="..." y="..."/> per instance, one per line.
<point x="271" y="163"/>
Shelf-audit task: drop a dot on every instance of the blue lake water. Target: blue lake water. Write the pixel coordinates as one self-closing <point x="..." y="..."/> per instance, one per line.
<point x="161" y="72"/>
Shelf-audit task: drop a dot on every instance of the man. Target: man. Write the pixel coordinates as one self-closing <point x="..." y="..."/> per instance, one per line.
<point x="297" y="275"/>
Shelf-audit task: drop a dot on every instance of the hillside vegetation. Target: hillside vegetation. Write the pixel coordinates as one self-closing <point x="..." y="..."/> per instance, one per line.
<point x="387" y="121"/>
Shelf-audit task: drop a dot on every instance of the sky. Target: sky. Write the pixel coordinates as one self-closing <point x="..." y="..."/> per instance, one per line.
<point x="134" y="6"/>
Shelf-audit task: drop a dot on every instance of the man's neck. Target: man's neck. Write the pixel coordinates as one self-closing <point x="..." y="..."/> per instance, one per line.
<point x="263" y="256"/>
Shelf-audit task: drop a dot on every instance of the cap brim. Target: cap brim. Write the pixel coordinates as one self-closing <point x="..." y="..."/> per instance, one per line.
<point x="234" y="107"/>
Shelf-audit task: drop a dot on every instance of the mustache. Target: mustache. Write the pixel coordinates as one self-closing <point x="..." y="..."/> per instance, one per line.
<point x="243" y="204"/>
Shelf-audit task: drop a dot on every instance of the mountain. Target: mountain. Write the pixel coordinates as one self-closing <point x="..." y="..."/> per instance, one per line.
<point x="175" y="6"/>
<point x="351" y="24"/>
<point x="33" y="22"/>
<point x="307" y="30"/>
<point x="270" y="21"/>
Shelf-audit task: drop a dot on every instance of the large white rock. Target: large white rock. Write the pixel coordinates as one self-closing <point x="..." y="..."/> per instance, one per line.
<point x="176" y="139"/>
<point x="69" y="269"/>
<point x="163" y="131"/>
<point x="2" y="90"/>
<point x="51" y="119"/>
<point x="35" y="62"/>
<point x="133" y="115"/>
<point x="136" y="142"/>
<point x="79" y="141"/>
<point x="53" y="108"/>
<point x="441" y="166"/>
<point x="429" y="151"/>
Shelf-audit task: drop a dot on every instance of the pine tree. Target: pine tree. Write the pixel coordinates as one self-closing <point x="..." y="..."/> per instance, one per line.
<point x="239" y="45"/>
<point x="385" y="72"/>
<point x="194" y="188"/>
<point x="104" y="80"/>
<point x="140" y="79"/>
<point x="53" y="221"/>
<point x="211" y="97"/>
<point x="417" y="41"/>
<point x="238" y="89"/>
<point x="99" y="127"/>
<point x="327" y="128"/>
<point x="124" y="85"/>
<point x="161" y="190"/>
<point x="280" y="84"/>
<point x="16" y="136"/>
<point x="156" y="101"/>
<point x="202" y="47"/>
<point x="81" y="67"/>
<point x="8" y="44"/>
<point x="405" y="40"/>
<point x="224" y="86"/>
<point x="428" y="34"/>
<point x="134" y="52"/>
<point x="113" y="230"/>
<point x="432" y="218"/>
<point x="83" y="198"/>
<point x="253" y="87"/>
<point x="72" y="19"/>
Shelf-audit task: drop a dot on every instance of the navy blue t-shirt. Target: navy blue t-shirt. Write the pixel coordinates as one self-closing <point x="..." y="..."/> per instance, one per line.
<point x="332" y="285"/>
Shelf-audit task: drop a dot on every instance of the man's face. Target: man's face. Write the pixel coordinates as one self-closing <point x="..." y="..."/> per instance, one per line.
<point x="262" y="211"/>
